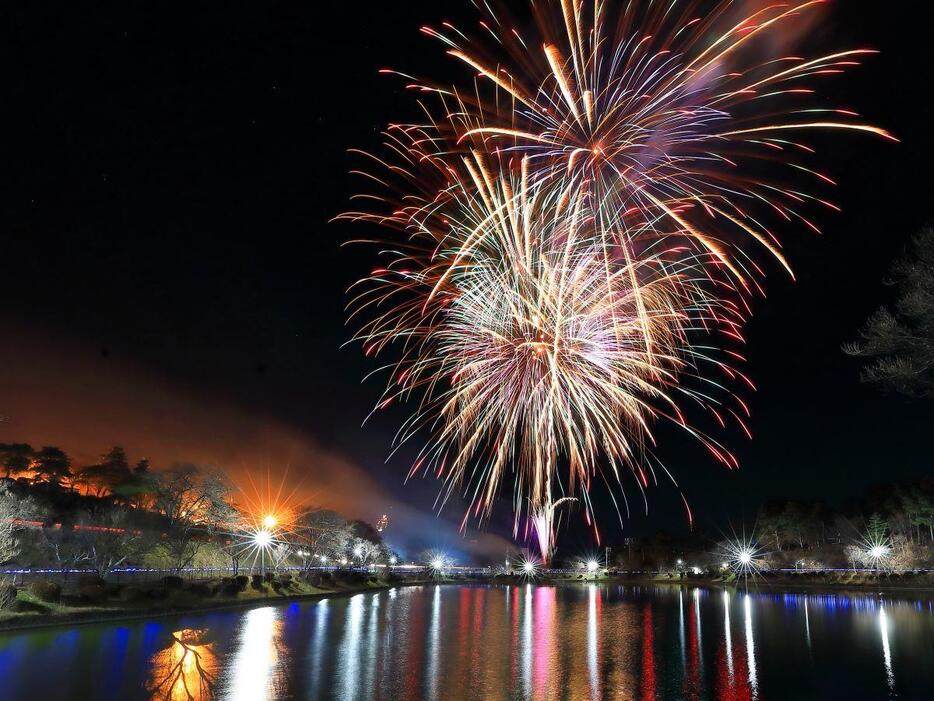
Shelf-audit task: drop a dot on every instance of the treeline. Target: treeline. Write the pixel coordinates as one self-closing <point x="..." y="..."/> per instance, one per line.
<point x="903" y="511"/>
<point x="114" y="514"/>
<point x="896" y="519"/>
<point x="112" y="475"/>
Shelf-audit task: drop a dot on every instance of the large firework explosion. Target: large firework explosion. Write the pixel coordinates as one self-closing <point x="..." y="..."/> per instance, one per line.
<point x="579" y="229"/>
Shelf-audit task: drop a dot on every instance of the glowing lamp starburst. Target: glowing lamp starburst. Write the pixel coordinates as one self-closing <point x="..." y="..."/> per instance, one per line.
<point x="262" y="538"/>
<point x="743" y="555"/>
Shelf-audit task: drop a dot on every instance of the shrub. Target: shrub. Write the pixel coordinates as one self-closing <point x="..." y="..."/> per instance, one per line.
<point x="234" y="584"/>
<point x="257" y="582"/>
<point x="157" y="593"/>
<point x="45" y="591"/>
<point x="173" y="582"/>
<point x="200" y="589"/>
<point x="231" y="588"/>
<point x="131" y="595"/>
<point x="89" y="579"/>
<point x="322" y="579"/>
<point x="7" y="595"/>
<point x="270" y="576"/>
<point x="92" y="593"/>
<point x="353" y="578"/>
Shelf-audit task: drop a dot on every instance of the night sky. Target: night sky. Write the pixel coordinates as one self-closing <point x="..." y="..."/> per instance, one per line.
<point x="171" y="281"/>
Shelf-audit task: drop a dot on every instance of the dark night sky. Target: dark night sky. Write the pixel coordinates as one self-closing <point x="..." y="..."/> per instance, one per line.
<point x="168" y="176"/>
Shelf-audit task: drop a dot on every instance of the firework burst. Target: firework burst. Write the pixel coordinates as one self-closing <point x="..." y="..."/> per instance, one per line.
<point x="571" y="225"/>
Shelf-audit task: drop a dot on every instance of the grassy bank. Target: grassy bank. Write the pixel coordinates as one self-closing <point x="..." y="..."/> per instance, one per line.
<point x="167" y="598"/>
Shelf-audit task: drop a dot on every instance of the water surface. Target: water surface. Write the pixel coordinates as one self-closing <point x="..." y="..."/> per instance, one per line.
<point x="496" y="642"/>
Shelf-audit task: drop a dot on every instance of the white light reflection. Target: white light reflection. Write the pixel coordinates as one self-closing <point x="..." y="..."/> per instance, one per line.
<point x="371" y="647"/>
<point x="728" y="636"/>
<point x="750" y="647"/>
<point x="351" y="647"/>
<point x="318" y="650"/>
<point x="527" y="643"/>
<point x="886" y="650"/>
<point x="592" y="641"/>
<point x="700" y="645"/>
<point x="681" y="627"/>
<point x="807" y="622"/>
<point x="433" y="652"/>
<point x="251" y="675"/>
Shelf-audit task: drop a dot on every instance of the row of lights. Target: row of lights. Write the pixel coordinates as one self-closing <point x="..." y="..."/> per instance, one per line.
<point x="263" y="538"/>
<point x="744" y="558"/>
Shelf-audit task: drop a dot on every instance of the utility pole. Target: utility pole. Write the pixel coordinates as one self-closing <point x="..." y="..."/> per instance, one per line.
<point x="606" y="559"/>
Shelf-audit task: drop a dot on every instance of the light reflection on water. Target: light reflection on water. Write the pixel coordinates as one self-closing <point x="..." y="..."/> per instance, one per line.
<point x="186" y="669"/>
<point x="487" y="642"/>
<point x="255" y="666"/>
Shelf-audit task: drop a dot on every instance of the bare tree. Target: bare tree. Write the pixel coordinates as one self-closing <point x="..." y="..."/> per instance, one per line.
<point x="324" y="532"/>
<point x="899" y="343"/>
<point x="109" y="540"/>
<point x="14" y="510"/>
<point x="194" y="504"/>
<point x="366" y="551"/>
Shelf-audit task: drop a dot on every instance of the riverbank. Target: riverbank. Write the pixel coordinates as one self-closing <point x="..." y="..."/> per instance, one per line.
<point x="168" y="599"/>
<point x="30" y="612"/>
<point x="834" y="581"/>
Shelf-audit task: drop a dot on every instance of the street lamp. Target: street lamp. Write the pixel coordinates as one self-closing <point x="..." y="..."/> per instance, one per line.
<point x="269" y="521"/>
<point x="262" y="539"/>
<point x="592" y="565"/>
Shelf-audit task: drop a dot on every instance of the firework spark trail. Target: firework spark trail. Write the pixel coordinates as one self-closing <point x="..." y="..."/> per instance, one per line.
<point x="572" y="224"/>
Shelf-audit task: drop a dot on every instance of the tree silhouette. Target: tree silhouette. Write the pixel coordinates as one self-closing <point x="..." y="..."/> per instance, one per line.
<point x="899" y="343"/>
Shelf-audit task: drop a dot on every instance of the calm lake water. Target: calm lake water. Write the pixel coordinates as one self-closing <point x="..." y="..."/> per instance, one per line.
<point x="496" y="642"/>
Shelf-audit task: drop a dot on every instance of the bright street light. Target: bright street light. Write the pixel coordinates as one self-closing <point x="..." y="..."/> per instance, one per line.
<point x="262" y="538"/>
<point x="592" y="565"/>
<point x="269" y="521"/>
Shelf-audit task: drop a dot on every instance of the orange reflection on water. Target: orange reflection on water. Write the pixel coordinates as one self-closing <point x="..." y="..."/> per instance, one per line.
<point x="185" y="670"/>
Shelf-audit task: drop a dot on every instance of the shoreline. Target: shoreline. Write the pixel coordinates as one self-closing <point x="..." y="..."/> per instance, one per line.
<point x="93" y="616"/>
<point x="54" y="620"/>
